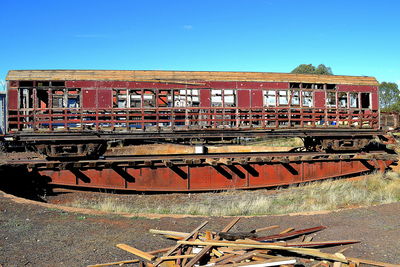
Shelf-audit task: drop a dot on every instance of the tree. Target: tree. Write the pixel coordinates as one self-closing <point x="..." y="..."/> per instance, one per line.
<point x="323" y="70"/>
<point x="310" y="69"/>
<point x="389" y="96"/>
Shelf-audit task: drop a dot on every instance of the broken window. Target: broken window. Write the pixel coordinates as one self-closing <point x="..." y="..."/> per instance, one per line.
<point x="26" y="97"/>
<point x="270" y="98"/>
<point x="120" y="98"/>
<point x="42" y="98"/>
<point x="331" y="99"/>
<point x="229" y="98"/>
<point x="216" y="98"/>
<point x="283" y="98"/>
<point x="135" y="98"/>
<point x="187" y="98"/>
<point x="295" y="98"/>
<point x="149" y="98"/>
<point x="307" y="98"/>
<point x="354" y="100"/>
<point x="73" y="98"/>
<point x="365" y="100"/>
<point x="342" y="99"/>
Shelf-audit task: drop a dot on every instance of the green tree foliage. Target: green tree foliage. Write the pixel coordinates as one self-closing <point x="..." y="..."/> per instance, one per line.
<point x="389" y="96"/>
<point x="310" y="69"/>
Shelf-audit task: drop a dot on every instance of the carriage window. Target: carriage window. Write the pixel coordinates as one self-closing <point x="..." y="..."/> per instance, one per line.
<point x="342" y="99"/>
<point x="229" y="98"/>
<point x="148" y="98"/>
<point x="331" y="99"/>
<point x="296" y="98"/>
<point x="270" y="98"/>
<point x="283" y="98"/>
<point x="58" y="98"/>
<point x="354" y="100"/>
<point x="307" y="98"/>
<point x="365" y="100"/>
<point x="135" y="98"/>
<point x="73" y="98"/>
<point x="216" y="98"/>
<point x="120" y="98"/>
<point x="187" y="98"/>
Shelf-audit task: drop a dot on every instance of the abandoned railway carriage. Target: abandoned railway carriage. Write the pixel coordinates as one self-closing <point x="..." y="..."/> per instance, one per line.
<point x="79" y="112"/>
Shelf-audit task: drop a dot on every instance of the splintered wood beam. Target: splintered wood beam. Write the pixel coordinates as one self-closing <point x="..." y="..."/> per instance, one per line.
<point x="169" y="252"/>
<point x="209" y="247"/>
<point x="137" y="252"/>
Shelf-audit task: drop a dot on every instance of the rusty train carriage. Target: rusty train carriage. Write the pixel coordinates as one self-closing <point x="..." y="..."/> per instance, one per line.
<point x="72" y="116"/>
<point x="50" y="101"/>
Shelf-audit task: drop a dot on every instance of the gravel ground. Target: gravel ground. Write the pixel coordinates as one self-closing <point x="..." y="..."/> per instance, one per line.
<point x="37" y="234"/>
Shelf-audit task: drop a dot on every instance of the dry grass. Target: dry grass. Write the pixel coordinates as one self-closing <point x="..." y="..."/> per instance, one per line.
<point x="323" y="195"/>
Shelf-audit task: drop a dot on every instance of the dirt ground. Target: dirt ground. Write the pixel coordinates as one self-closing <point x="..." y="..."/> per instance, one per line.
<point x="40" y="234"/>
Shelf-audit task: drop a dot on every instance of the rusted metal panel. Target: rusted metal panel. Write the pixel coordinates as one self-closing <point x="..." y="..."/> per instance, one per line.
<point x="89" y="98"/>
<point x="243" y="98"/>
<point x="207" y="177"/>
<point x="375" y="101"/>
<point x="104" y="98"/>
<point x="319" y="99"/>
<point x="356" y="88"/>
<point x="12" y="99"/>
<point x="219" y="177"/>
<point x="205" y="98"/>
<point x="257" y="98"/>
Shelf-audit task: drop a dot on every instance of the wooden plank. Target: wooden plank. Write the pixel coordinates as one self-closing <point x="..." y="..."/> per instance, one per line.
<point x="290" y="229"/>
<point x="169" y="252"/>
<point x="208" y="248"/>
<point x="114" y="263"/>
<point x="289" y="233"/>
<point x="283" y="244"/>
<point x="272" y="262"/>
<point x="303" y="251"/>
<point x="266" y="228"/>
<point x="171" y="233"/>
<point x="137" y="252"/>
<point x="175" y="257"/>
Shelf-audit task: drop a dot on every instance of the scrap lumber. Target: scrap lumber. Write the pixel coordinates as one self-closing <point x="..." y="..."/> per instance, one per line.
<point x="208" y="248"/>
<point x="137" y="252"/>
<point x="169" y="252"/>
<point x="212" y="250"/>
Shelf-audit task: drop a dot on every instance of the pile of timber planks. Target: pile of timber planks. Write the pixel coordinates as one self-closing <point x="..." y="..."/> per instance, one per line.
<point x="206" y="248"/>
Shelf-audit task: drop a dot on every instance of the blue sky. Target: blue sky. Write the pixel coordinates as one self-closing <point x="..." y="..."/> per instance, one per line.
<point x="352" y="37"/>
